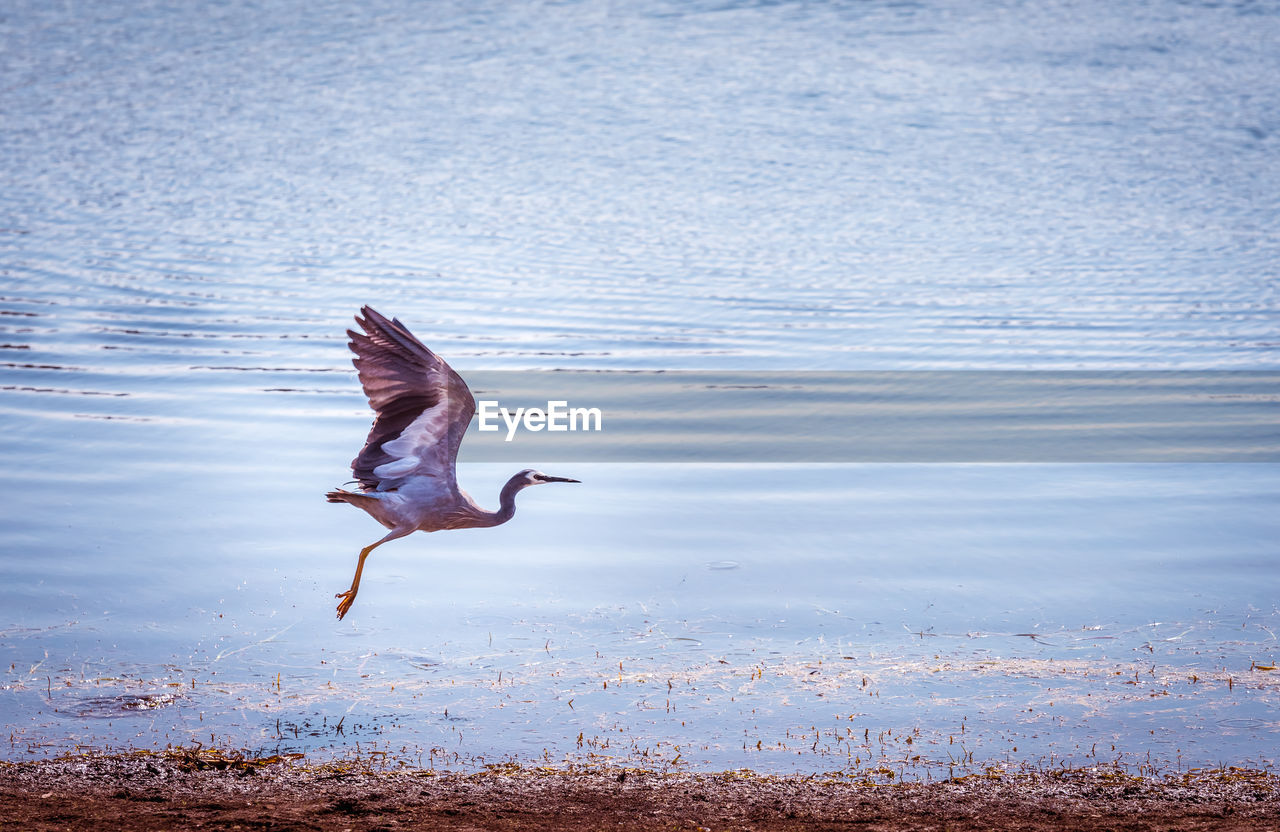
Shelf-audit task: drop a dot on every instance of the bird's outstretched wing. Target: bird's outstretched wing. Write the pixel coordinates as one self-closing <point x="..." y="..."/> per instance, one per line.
<point x="423" y="407"/>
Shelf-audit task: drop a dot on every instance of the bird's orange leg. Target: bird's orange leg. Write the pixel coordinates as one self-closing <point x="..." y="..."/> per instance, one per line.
<point x="349" y="597"/>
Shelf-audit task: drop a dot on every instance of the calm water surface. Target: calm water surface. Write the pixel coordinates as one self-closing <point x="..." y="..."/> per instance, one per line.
<point x="193" y="204"/>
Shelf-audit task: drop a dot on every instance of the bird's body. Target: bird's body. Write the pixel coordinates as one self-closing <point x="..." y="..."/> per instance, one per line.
<point x="407" y="467"/>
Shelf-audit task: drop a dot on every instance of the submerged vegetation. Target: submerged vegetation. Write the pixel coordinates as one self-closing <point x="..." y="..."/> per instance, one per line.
<point x="666" y="705"/>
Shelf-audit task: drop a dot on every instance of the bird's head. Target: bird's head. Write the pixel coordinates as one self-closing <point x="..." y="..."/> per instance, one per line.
<point x="532" y="477"/>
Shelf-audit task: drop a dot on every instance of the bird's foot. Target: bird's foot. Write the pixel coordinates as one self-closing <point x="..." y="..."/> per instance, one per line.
<point x="344" y="605"/>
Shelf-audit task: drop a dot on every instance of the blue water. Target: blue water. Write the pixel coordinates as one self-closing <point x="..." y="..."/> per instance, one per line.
<point x="193" y="203"/>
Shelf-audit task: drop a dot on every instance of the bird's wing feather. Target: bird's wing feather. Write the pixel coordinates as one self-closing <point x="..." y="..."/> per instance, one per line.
<point x="423" y="407"/>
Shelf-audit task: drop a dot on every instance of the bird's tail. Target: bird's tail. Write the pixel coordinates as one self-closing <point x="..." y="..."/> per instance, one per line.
<point x="367" y="502"/>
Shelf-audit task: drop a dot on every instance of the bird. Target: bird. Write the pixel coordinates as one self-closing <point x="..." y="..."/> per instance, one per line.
<point x="406" y="470"/>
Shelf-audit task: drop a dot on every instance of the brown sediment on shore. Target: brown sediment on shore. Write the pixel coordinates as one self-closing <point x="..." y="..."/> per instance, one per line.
<point x="207" y="790"/>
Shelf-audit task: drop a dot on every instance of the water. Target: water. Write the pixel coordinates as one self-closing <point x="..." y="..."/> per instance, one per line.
<point x="193" y="205"/>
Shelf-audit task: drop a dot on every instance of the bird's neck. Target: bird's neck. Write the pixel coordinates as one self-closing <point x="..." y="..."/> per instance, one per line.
<point x="507" y="500"/>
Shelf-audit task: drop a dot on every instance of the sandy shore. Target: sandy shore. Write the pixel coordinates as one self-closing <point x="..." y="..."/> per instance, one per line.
<point x="150" y="791"/>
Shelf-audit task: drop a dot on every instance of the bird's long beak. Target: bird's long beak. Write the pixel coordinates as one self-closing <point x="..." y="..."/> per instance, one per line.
<point x="561" y="479"/>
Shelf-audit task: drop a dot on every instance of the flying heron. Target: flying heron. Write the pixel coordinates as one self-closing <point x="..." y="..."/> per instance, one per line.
<point x="406" y="469"/>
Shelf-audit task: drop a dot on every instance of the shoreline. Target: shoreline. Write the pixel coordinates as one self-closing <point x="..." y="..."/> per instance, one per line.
<point x="211" y="790"/>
